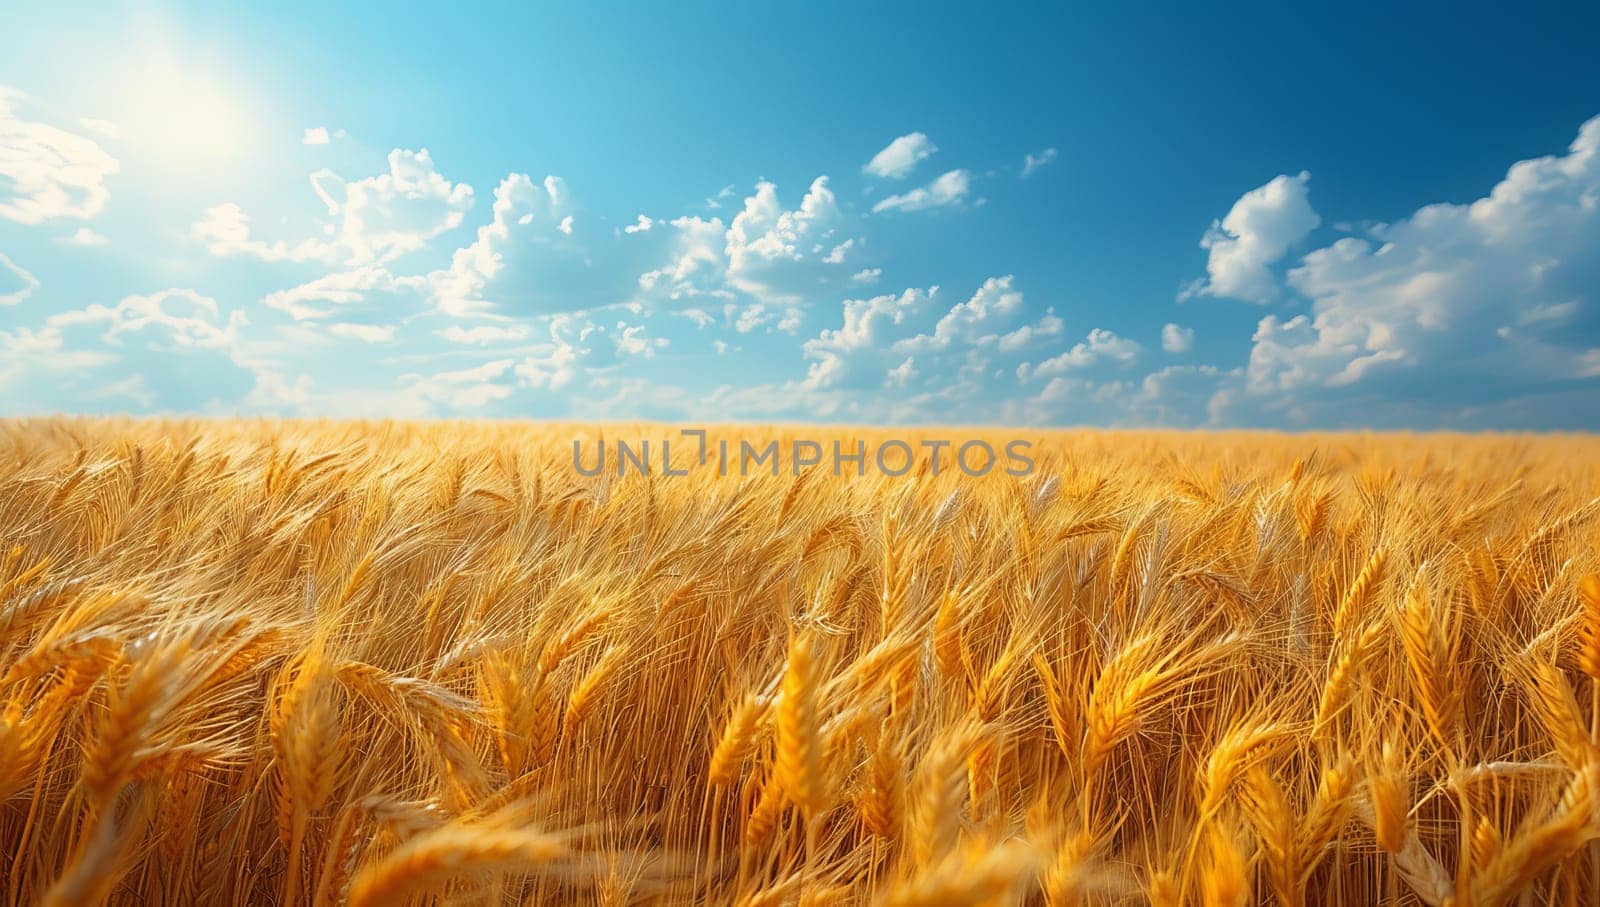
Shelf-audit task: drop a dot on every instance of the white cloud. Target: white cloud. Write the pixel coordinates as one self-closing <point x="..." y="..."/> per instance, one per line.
<point x="366" y="333"/>
<point x="225" y="231"/>
<point x="46" y="172"/>
<point x="851" y="355"/>
<point x="321" y="135"/>
<point x="484" y="335"/>
<point x="1176" y="339"/>
<point x="274" y="391"/>
<point x="341" y="290"/>
<point x="1023" y="337"/>
<point x="866" y="276"/>
<point x="388" y="215"/>
<point x="948" y="189"/>
<point x="84" y="236"/>
<point x="134" y="387"/>
<point x="1031" y="163"/>
<point x="1257" y="232"/>
<point x="902" y="374"/>
<point x="32" y="353"/>
<point x="183" y="317"/>
<point x="900" y="157"/>
<point x="555" y="367"/>
<point x="379" y="218"/>
<point x="631" y="341"/>
<point x="1100" y="346"/>
<point x="770" y="250"/>
<point x="552" y="371"/>
<point x="641" y="225"/>
<point x="1474" y="302"/>
<point x="526" y="215"/>
<point x="103" y="128"/>
<point x="931" y="360"/>
<point x="752" y="317"/>
<point x="698" y="266"/>
<point x="770" y="254"/>
<point x="189" y="354"/>
<point x="991" y="310"/>
<point x="471" y="388"/>
<point x="16" y="284"/>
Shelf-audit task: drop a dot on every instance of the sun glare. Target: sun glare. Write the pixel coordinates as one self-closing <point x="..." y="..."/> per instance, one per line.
<point x="183" y="114"/>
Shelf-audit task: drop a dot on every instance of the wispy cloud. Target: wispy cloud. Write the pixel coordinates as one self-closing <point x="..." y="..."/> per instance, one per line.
<point x="901" y="156"/>
<point x="949" y="189"/>
<point x="1031" y="163"/>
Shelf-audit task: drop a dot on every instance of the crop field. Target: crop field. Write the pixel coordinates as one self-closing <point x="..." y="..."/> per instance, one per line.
<point x="327" y="663"/>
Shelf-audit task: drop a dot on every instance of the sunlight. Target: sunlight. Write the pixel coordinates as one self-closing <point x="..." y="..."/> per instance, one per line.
<point x="182" y="114"/>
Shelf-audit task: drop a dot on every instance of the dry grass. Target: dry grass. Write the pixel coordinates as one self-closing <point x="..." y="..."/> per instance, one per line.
<point x="330" y="663"/>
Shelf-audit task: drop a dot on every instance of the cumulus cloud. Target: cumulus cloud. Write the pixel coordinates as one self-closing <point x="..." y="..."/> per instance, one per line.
<point x="773" y="252"/>
<point x="525" y="261"/>
<point x="1031" y="163"/>
<point x="45" y="172"/>
<point x="914" y="355"/>
<point x="853" y="354"/>
<point x="948" y="189"/>
<point x="316" y="135"/>
<point x="1176" y="339"/>
<point x="385" y="216"/>
<point x="901" y="156"/>
<point x="574" y="348"/>
<point x="1466" y="302"/>
<point x="698" y="263"/>
<point x="991" y="310"/>
<point x="1471" y="315"/>
<point x="1457" y="315"/>
<point x="498" y="266"/>
<point x="16" y="284"/>
<point x="768" y="254"/>
<point x="1257" y="232"/>
<point x="378" y="219"/>
<point x="758" y="315"/>
<point x="1099" y="347"/>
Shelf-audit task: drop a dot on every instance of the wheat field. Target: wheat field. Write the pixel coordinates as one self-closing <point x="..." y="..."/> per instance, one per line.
<point x="375" y="664"/>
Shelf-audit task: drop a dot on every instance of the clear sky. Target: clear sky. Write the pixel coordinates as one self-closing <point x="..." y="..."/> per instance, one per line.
<point x="1245" y="215"/>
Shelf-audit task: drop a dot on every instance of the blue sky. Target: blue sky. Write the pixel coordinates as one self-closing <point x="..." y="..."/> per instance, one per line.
<point x="1128" y="216"/>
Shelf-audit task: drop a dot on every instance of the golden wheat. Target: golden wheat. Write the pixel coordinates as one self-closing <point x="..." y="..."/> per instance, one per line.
<point x="330" y="663"/>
